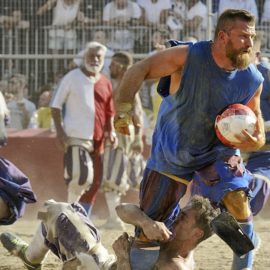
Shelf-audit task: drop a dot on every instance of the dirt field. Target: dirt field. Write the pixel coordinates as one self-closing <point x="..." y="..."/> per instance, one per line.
<point x="212" y="254"/>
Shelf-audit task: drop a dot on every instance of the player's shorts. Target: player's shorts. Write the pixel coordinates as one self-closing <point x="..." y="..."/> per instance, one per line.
<point x="78" y="173"/>
<point x="143" y="259"/>
<point x="115" y="162"/>
<point x="121" y="170"/>
<point x="258" y="165"/>
<point x="135" y="169"/>
<point x="68" y="231"/>
<point x="159" y="198"/>
<point x="15" y="190"/>
<point x="160" y="194"/>
<point x="221" y="177"/>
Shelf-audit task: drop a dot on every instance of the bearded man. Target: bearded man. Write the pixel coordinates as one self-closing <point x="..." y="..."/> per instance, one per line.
<point x="82" y="110"/>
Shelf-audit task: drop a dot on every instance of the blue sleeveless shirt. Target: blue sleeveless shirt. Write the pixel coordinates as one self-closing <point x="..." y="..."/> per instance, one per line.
<point x="184" y="138"/>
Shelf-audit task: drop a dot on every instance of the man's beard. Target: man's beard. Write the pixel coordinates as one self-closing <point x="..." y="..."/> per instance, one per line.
<point x="93" y="69"/>
<point x="239" y="59"/>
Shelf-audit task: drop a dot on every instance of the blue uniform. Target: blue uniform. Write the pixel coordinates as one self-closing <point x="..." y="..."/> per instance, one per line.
<point x="184" y="140"/>
<point x="15" y="190"/>
<point x="185" y="146"/>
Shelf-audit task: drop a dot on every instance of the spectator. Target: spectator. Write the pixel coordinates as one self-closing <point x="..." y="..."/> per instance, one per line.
<point x="266" y="13"/>
<point x="87" y="96"/>
<point x="121" y="14"/>
<point x="42" y="117"/>
<point x="11" y="14"/>
<point x="4" y="90"/>
<point x="155" y="11"/>
<point x="92" y="10"/>
<point x="249" y="5"/>
<point x="158" y="40"/>
<point x="65" y="13"/>
<point x="98" y="36"/>
<point x="21" y="109"/>
<point x="196" y="22"/>
<point x="177" y="18"/>
<point x="264" y="37"/>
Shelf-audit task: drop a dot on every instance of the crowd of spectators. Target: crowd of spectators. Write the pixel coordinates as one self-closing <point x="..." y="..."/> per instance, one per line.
<point x="63" y="27"/>
<point x="66" y="25"/>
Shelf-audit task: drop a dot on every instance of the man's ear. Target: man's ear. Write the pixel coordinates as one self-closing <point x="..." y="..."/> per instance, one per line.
<point x="199" y="233"/>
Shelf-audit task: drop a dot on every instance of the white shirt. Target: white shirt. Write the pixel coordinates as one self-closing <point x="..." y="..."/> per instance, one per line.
<point x="76" y="91"/>
<point x="249" y="5"/>
<point x="111" y="11"/>
<point x="16" y="114"/>
<point x="199" y="9"/>
<point x="153" y="10"/>
<point x="64" y="14"/>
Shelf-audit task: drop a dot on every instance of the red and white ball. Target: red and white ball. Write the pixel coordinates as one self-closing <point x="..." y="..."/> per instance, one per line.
<point x="232" y="121"/>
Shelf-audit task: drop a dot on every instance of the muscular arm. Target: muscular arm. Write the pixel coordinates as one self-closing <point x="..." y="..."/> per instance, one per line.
<point x="153" y="230"/>
<point x="161" y="64"/>
<point x="158" y="65"/>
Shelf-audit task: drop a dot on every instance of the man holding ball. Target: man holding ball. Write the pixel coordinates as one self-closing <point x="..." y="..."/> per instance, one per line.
<point x="202" y="79"/>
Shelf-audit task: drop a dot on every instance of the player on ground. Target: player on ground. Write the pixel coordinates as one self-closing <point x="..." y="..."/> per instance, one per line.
<point x="15" y="192"/>
<point x="68" y="233"/>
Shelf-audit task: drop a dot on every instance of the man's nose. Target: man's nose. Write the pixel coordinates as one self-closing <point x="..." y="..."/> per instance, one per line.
<point x="250" y="42"/>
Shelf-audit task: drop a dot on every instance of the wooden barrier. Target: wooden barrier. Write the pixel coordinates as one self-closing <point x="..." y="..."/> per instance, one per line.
<point x="36" y="153"/>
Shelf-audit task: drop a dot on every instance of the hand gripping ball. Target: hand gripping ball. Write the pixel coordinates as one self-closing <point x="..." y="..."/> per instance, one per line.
<point x="232" y="121"/>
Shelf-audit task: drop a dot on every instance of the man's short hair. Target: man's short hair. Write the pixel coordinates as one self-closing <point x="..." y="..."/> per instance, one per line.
<point x="205" y="214"/>
<point x="21" y="78"/>
<point x="227" y="19"/>
<point x="123" y="58"/>
<point x="95" y="45"/>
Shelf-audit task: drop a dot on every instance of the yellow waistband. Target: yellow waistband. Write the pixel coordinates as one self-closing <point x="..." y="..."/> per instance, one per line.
<point x="176" y="178"/>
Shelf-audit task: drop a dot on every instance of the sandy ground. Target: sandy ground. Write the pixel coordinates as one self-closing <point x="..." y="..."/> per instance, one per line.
<point x="212" y="254"/>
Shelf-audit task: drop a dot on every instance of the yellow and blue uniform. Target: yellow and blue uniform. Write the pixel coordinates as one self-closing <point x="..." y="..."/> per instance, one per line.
<point x="184" y="144"/>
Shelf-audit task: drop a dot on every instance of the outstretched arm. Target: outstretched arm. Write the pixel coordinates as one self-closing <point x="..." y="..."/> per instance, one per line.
<point x="153" y="230"/>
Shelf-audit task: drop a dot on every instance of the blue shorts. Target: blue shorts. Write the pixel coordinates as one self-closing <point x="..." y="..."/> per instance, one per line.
<point x="15" y="190"/>
<point x="221" y="177"/>
<point x="258" y="165"/>
<point x="143" y="259"/>
<point x="160" y="194"/>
